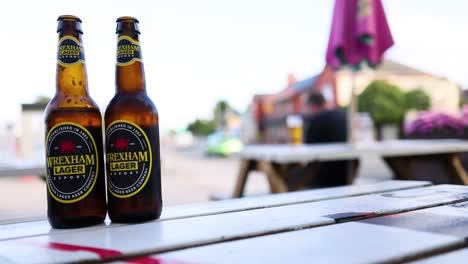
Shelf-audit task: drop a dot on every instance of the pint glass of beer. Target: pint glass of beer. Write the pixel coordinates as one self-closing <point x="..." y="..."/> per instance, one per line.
<point x="294" y="124"/>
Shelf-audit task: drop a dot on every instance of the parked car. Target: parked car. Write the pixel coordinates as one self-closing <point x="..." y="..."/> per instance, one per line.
<point x="222" y="144"/>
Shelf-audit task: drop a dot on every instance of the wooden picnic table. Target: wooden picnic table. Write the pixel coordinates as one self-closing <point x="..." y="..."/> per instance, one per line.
<point x="388" y="223"/>
<point x="402" y="157"/>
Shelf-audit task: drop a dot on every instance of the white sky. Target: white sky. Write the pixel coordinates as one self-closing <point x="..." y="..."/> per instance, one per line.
<point x="197" y="52"/>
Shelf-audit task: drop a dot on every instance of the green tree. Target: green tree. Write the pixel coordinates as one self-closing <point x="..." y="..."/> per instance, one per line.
<point x="220" y="111"/>
<point x="417" y="100"/>
<point x="41" y="99"/>
<point x="384" y="102"/>
<point x="201" y="127"/>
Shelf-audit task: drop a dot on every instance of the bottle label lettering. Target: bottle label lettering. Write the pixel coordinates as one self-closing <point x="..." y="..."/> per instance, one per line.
<point x="70" y="51"/>
<point x="72" y="162"/>
<point x="128" y="51"/>
<point x="128" y="158"/>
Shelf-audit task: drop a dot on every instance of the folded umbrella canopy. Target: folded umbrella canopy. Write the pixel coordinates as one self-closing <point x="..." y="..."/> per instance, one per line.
<point x="359" y="34"/>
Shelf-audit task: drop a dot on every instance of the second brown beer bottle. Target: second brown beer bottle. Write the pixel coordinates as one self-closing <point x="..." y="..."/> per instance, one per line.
<point x="132" y="136"/>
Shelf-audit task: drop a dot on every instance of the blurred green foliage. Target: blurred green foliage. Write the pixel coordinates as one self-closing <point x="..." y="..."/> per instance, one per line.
<point x="384" y="102"/>
<point x="41" y="99"/>
<point x="221" y="109"/>
<point x="417" y="100"/>
<point x="387" y="103"/>
<point x="201" y="127"/>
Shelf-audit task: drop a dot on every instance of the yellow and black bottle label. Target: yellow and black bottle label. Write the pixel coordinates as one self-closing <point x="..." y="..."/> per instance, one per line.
<point x="128" y="51"/>
<point x="72" y="162"/>
<point x="70" y="51"/>
<point x="129" y="158"/>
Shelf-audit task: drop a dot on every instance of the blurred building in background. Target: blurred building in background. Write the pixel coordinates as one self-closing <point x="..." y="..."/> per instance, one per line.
<point x="444" y="93"/>
<point x="266" y="114"/>
<point x="31" y="138"/>
<point x="8" y="143"/>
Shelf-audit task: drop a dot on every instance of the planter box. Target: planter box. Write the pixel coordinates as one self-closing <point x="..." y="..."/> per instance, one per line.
<point x="439" y="134"/>
<point x="426" y="169"/>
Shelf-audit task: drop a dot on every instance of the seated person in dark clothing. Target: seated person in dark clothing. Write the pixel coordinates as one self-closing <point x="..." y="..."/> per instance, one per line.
<point x="324" y="125"/>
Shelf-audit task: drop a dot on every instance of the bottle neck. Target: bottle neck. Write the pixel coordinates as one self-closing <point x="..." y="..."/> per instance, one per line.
<point x="130" y="71"/>
<point x="71" y="77"/>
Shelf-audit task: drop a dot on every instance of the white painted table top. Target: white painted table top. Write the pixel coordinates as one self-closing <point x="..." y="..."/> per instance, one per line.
<point x="373" y="245"/>
<point x="35" y="228"/>
<point x="343" y="151"/>
<point x="454" y="257"/>
<point x="450" y="219"/>
<point x="344" y="243"/>
<point x="110" y="241"/>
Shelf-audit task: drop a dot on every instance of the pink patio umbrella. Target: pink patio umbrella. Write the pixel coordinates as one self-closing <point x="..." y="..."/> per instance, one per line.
<point x="359" y="34"/>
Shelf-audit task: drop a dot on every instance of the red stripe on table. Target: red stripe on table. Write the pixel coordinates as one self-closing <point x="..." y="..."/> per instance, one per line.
<point x="101" y="252"/>
<point x="392" y="216"/>
<point x="151" y="260"/>
<point x="104" y="253"/>
<point x="145" y="260"/>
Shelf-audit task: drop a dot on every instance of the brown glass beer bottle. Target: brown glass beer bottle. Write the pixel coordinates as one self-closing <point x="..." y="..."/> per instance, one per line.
<point x="132" y="136"/>
<point x="76" y="194"/>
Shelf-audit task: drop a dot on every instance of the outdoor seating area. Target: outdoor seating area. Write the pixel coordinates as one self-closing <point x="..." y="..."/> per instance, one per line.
<point x="276" y="161"/>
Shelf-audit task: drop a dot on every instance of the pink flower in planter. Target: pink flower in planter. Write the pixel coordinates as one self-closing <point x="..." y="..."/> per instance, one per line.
<point x="430" y="122"/>
<point x="464" y="114"/>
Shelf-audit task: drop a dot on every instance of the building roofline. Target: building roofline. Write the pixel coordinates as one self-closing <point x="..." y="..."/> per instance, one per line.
<point x="33" y="107"/>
